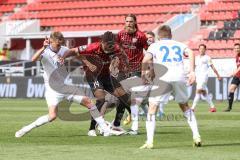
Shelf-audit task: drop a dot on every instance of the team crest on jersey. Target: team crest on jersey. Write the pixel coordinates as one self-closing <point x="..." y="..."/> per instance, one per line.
<point x="134" y="40"/>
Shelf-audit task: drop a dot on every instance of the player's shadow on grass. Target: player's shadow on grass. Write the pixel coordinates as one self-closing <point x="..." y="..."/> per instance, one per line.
<point x="59" y="136"/>
<point x="221" y="145"/>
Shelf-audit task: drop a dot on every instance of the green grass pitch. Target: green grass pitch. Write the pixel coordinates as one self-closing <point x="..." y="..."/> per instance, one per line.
<point x="63" y="140"/>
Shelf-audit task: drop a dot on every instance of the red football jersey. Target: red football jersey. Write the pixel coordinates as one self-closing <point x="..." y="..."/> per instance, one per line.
<point x="133" y="44"/>
<point x="95" y="54"/>
<point x="238" y="65"/>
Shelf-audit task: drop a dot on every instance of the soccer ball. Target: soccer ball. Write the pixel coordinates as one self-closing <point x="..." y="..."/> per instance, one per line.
<point x="100" y="130"/>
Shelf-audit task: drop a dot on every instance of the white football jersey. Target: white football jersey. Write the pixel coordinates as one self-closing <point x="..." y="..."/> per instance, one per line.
<point x="49" y="60"/>
<point x="170" y="54"/>
<point x="202" y="64"/>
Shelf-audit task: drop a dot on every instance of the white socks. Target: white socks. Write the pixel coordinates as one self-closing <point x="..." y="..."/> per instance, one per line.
<point x="39" y="122"/>
<point x="206" y="97"/>
<point x="134" y="116"/>
<point x="150" y="127"/>
<point x="196" y="99"/>
<point x="189" y="114"/>
<point x="98" y="118"/>
<point x="101" y="123"/>
<point x="209" y="100"/>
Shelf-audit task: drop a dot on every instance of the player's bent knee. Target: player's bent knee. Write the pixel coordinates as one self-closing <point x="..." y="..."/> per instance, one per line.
<point x="125" y="99"/>
<point x="184" y="106"/>
<point x="152" y="108"/>
<point x="52" y="116"/>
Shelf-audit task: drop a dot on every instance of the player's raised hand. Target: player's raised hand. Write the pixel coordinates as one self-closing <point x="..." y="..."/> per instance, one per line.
<point x="191" y="78"/>
<point x="61" y="60"/>
<point x="46" y="42"/>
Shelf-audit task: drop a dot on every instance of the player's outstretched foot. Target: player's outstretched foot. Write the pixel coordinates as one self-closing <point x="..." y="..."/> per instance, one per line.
<point x="213" y="110"/>
<point x="92" y="133"/>
<point x="147" y="146"/>
<point x="128" y="120"/>
<point x="197" y="142"/>
<point x="227" y="110"/>
<point x="22" y="132"/>
<point x="132" y="132"/>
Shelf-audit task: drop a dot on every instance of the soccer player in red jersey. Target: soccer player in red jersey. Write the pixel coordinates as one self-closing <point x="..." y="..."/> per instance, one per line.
<point x="98" y="58"/>
<point x="133" y="41"/>
<point x="236" y="78"/>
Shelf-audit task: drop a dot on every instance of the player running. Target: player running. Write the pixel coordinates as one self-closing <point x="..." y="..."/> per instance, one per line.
<point x="50" y="57"/>
<point x="169" y="53"/>
<point x="203" y="62"/>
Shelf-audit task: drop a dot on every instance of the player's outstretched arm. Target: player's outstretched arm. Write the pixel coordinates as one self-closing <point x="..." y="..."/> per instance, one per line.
<point x="216" y="72"/>
<point x="36" y="56"/>
<point x="70" y="52"/>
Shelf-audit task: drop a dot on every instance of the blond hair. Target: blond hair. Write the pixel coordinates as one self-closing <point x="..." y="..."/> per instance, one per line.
<point x="57" y="36"/>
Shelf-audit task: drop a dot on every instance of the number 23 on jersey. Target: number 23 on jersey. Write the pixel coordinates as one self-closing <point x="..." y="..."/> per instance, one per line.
<point x="171" y="53"/>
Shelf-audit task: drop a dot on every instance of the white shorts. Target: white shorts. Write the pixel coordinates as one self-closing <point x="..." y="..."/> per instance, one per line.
<point x="179" y="91"/>
<point x="54" y="98"/>
<point x="135" y="86"/>
<point x="202" y="82"/>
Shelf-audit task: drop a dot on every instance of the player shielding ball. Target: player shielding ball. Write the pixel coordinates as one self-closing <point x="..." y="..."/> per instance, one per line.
<point x="169" y="53"/>
<point x="99" y="75"/>
<point x="50" y="57"/>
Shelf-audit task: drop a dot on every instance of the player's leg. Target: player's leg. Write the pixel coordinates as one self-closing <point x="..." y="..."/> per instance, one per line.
<point x="151" y="119"/>
<point x="161" y="110"/>
<point x="144" y="107"/>
<point x="208" y="99"/>
<point x="96" y="116"/>
<point x="100" y="100"/>
<point x="181" y="97"/>
<point x="197" y="96"/>
<point x="117" y="90"/>
<point x="234" y="84"/>
<point x="124" y="103"/>
<point x="135" y="103"/>
<point x="52" y="102"/>
<point x="97" y="88"/>
<point x="150" y="125"/>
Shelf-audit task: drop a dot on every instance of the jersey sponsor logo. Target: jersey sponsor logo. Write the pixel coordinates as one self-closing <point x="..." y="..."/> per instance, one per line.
<point x="134" y="40"/>
<point x="129" y="46"/>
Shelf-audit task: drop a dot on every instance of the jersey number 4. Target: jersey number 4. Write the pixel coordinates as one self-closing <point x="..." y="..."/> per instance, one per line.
<point x="177" y="54"/>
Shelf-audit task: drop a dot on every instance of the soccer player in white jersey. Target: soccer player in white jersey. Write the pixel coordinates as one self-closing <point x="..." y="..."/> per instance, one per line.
<point x="50" y="56"/>
<point x="203" y="62"/>
<point x="169" y="53"/>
